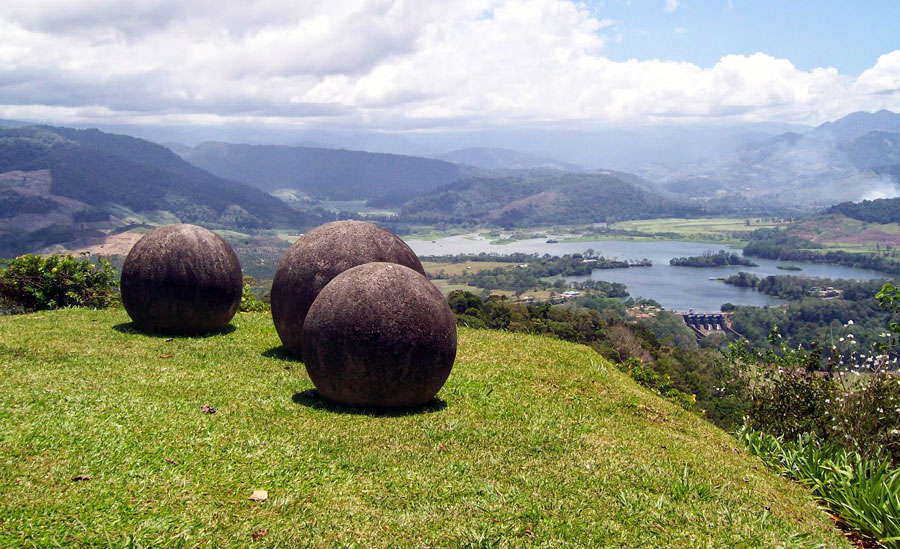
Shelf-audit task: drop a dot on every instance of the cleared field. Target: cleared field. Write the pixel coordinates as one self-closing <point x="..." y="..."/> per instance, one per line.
<point x="699" y="227"/>
<point x="455" y="269"/>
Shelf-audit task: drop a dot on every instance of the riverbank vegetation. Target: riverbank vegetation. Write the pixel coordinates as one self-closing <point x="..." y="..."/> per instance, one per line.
<point x="712" y="259"/>
<point x="521" y="272"/>
<point x="785" y="246"/>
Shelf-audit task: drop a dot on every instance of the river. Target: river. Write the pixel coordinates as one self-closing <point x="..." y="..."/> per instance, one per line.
<point x="677" y="288"/>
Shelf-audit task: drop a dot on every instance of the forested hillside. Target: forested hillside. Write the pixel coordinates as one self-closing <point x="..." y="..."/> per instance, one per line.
<point x="105" y="170"/>
<point x="517" y="201"/>
<point x="884" y="210"/>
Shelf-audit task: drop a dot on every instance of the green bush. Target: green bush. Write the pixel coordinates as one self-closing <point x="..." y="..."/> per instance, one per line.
<point x="846" y="396"/>
<point x="32" y="283"/>
<point x="249" y="302"/>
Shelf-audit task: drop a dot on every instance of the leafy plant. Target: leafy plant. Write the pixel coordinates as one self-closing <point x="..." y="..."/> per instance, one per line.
<point x="865" y="493"/>
<point x="32" y="283"/>
<point x="249" y="302"/>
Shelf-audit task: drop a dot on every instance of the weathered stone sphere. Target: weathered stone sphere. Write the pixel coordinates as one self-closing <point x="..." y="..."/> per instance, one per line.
<point x="379" y="335"/>
<point x="320" y="255"/>
<point x="181" y="279"/>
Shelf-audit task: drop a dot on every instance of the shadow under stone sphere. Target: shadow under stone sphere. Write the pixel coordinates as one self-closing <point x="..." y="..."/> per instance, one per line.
<point x="181" y="279"/>
<point x="320" y="255"/>
<point x="379" y="335"/>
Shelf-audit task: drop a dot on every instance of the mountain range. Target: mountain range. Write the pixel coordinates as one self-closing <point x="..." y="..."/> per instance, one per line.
<point x="57" y="184"/>
<point x="851" y="159"/>
<point x="334" y="174"/>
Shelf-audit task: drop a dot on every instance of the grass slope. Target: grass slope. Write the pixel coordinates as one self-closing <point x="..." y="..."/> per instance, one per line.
<point x="537" y="442"/>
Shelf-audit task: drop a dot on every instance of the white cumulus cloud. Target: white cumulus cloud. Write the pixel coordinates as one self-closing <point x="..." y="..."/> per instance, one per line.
<point x="385" y="64"/>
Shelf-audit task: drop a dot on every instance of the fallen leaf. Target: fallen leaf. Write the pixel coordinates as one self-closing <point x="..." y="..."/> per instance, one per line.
<point x="82" y="477"/>
<point x="288" y="367"/>
<point x="261" y="533"/>
<point x="20" y="481"/>
<point x="259" y="495"/>
<point x="171" y="461"/>
<point x="207" y="409"/>
<point x="168" y="339"/>
<point x="442" y="447"/>
<point x="166" y="356"/>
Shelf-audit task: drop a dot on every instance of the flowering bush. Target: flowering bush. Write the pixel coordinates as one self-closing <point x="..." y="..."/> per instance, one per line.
<point x="33" y="283"/>
<point x="844" y="395"/>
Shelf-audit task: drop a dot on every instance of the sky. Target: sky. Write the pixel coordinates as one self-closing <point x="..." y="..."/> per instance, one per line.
<point x="432" y="66"/>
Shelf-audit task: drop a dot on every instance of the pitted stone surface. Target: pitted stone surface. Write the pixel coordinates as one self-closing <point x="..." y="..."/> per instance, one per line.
<point x="320" y="255"/>
<point x="379" y="335"/>
<point x="181" y="279"/>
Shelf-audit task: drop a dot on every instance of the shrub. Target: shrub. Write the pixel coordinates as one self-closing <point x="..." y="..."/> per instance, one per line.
<point x="846" y="396"/>
<point x="33" y="283"/>
<point x="249" y="302"/>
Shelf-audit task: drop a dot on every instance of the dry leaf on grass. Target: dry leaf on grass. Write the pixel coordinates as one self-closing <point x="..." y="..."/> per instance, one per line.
<point x="207" y="409"/>
<point x="259" y="495"/>
<point x="166" y="356"/>
<point x="261" y="533"/>
<point x="80" y="478"/>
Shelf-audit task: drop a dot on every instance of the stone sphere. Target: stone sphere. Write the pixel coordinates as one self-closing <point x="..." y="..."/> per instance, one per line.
<point x="181" y="279"/>
<point x="379" y="335"/>
<point x="320" y="255"/>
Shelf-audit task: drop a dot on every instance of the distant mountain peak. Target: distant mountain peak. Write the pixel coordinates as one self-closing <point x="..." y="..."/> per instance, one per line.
<point x="860" y="123"/>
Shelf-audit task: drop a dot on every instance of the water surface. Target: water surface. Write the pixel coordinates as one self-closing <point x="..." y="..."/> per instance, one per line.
<point x="677" y="288"/>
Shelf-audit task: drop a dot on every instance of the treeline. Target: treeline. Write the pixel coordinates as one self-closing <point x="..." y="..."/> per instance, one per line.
<point x="644" y="348"/>
<point x="823" y="322"/>
<point x="791" y="287"/>
<point x="882" y="210"/>
<point x="709" y="259"/>
<point x="13" y="204"/>
<point x="778" y="244"/>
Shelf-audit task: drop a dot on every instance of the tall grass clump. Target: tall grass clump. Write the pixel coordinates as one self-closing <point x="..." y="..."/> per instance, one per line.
<point x="865" y="493"/>
<point x="33" y="283"/>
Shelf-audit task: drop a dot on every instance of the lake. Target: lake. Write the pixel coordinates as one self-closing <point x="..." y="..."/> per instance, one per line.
<point x="677" y="288"/>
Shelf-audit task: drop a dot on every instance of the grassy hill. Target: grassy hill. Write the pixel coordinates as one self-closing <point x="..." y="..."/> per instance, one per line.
<point x="534" y="442"/>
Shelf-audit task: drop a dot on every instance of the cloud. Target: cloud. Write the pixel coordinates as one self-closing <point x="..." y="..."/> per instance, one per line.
<point x="879" y="188"/>
<point x="671" y="5"/>
<point x="385" y="64"/>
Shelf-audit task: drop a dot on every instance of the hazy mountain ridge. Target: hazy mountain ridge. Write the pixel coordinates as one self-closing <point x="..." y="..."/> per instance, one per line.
<point x="496" y="158"/>
<point x="334" y="174"/>
<point x="837" y="162"/>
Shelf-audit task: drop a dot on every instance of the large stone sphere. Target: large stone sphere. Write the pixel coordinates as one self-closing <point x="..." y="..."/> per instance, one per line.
<point x="181" y="279"/>
<point x="320" y="255"/>
<point x="379" y="335"/>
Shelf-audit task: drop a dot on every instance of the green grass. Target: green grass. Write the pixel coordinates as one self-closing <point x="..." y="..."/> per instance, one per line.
<point x="534" y="442"/>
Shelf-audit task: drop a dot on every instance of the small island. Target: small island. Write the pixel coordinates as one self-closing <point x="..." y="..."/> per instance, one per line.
<point x="788" y="268"/>
<point x="709" y="259"/>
